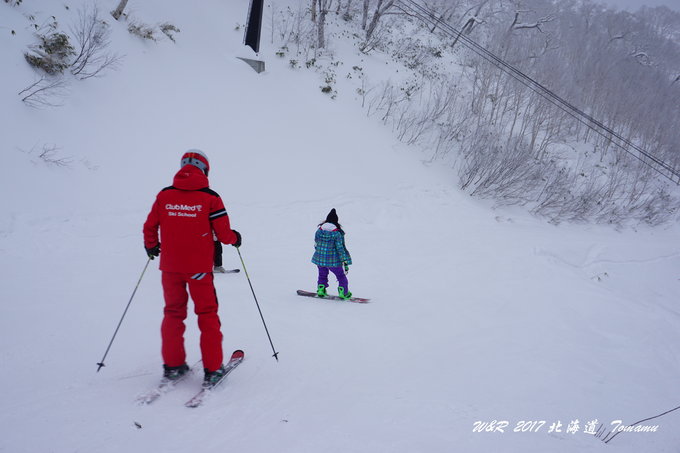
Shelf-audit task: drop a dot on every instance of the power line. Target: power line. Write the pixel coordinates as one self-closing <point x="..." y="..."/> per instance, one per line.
<point x="420" y="12"/>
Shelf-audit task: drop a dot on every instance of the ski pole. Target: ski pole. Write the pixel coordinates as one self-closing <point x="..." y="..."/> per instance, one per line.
<point x="101" y="363"/>
<point x="276" y="354"/>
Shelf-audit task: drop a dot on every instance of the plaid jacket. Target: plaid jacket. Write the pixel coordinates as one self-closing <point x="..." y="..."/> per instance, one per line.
<point x="330" y="250"/>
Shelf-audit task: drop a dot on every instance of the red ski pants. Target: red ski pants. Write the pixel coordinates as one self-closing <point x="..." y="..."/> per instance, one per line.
<point x="204" y="296"/>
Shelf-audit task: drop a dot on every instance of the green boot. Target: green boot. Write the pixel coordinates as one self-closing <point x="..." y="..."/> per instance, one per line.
<point x="343" y="294"/>
<point x="321" y="291"/>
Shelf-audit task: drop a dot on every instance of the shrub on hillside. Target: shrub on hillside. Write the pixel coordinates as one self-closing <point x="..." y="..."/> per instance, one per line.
<point x="52" y="55"/>
<point x="141" y="30"/>
<point x="169" y="30"/>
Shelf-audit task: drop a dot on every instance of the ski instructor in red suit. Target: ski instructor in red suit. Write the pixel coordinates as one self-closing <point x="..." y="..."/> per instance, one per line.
<point x="188" y="213"/>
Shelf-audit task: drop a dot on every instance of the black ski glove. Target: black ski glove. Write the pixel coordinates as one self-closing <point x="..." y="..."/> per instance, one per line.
<point x="238" y="239"/>
<point x="154" y="251"/>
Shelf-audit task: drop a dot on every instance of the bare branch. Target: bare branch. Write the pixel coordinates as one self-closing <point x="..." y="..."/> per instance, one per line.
<point x="49" y="154"/>
<point x="45" y="92"/>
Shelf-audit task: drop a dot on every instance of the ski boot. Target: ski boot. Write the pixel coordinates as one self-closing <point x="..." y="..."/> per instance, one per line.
<point x="321" y="291"/>
<point x="172" y="373"/>
<point x="213" y="377"/>
<point x="344" y="294"/>
<point x="220" y="270"/>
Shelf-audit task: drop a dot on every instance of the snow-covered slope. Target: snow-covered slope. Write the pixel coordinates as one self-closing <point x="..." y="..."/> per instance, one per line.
<point x="476" y="314"/>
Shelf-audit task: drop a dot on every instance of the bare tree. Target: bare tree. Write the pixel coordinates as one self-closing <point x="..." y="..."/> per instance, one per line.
<point x="348" y="9"/>
<point x="92" y="39"/>
<point x="537" y="23"/>
<point x="380" y="9"/>
<point x="324" y="6"/>
<point x="472" y="20"/>
<point x="444" y="10"/>
<point x="116" y="13"/>
<point x="370" y="39"/>
<point x="364" y="14"/>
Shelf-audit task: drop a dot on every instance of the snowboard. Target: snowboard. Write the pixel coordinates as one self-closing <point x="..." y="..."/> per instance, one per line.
<point x="358" y="300"/>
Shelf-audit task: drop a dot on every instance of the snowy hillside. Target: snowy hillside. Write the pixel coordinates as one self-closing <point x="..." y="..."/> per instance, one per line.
<point x="476" y="314"/>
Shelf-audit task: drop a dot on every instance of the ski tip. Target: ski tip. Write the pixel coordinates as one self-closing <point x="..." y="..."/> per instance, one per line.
<point x="238" y="354"/>
<point x="227" y="271"/>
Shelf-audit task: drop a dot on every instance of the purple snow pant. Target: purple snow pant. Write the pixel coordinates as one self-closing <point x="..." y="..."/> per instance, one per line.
<point x="339" y="274"/>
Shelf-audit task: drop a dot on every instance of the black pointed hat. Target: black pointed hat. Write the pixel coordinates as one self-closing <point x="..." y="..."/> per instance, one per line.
<point x="332" y="217"/>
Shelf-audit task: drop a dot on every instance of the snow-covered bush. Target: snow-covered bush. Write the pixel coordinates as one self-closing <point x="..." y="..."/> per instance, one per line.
<point x="412" y="52"/>
<point x="52" y="54"/>
<point x="329" y="83"/>
<point x="145" y="31"/>
<point x="169" y="30"/>
<point x="282" y="52"/>
<point x="142" y="30"/>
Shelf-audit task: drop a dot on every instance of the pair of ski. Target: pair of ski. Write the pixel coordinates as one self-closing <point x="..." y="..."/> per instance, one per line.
<point x="199" y="398"/>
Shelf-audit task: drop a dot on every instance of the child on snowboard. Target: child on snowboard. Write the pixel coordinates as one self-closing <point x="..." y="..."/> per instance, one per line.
<point x="331" y="255"/>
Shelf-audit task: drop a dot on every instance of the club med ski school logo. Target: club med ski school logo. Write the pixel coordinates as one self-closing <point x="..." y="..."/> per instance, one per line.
<point x="183" y="210"/>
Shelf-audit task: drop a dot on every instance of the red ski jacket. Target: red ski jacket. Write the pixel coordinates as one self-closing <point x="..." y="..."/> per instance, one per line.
<point x="188" y="213"/>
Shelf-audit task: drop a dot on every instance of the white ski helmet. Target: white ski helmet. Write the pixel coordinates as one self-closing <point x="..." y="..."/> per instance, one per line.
<point x="197" y="158"/>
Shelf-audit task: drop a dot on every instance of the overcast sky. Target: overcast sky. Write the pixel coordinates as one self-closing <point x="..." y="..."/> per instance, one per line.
<point x="635" y="4"/>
